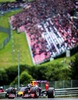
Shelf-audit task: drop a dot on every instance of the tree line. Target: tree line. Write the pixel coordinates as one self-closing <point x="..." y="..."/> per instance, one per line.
<point x="50" y="72"/>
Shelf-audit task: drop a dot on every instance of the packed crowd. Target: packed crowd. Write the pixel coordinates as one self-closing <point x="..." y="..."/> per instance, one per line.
<point x="48" y="27"/>
<point x="5" y="6"/>
<point x="40" y="10"/>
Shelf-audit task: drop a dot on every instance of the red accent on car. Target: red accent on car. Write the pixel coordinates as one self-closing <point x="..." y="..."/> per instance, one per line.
<point x="33" y="95"/>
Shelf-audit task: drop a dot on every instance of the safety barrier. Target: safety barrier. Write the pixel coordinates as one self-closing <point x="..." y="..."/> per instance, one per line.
<point x="66" y="92"/>
<point x="2" y="94"/>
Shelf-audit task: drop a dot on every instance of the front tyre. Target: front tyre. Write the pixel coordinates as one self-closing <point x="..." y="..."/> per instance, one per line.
<point x="35" y="90"/>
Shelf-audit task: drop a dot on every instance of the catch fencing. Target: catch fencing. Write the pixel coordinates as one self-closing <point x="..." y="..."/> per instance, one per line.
<point x="64" y="84"/>
<point x="56" y="84"/>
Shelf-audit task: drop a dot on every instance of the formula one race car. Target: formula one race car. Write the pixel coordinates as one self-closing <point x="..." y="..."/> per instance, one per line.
<point x="10" y="93"/>
<point x="31" y="92"/>
<point x="1" y="89"/>
<point x="34" y="90"/>
<point x="21" y="91"/>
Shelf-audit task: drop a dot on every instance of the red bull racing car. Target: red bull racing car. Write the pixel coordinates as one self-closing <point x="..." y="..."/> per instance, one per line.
<point x="10" y="93"/>
<point x="35" y="90"/>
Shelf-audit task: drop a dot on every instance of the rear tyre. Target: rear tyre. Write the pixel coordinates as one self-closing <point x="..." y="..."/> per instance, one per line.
<point x="51" y="93"/>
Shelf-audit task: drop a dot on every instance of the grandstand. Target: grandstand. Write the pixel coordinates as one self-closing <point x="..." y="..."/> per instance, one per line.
<point x="48" y="26"/>
<point x="49" y="32"/>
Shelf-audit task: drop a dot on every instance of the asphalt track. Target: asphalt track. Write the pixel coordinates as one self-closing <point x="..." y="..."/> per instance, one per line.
<point x="44" y="99"/>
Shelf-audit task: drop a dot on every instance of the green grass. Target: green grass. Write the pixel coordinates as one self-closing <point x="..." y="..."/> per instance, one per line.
<point x="2" y="37"/>
<point x="21" y="45"/>
<point x="7" y="55"/>
<point x="4" y="20"/>
<point x="7" y="0"/>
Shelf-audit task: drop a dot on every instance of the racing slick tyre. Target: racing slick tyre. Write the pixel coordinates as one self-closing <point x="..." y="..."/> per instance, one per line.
<point x="11" y="96"/>
<point x="35" y="90"/>
<point x="51" y="93"/>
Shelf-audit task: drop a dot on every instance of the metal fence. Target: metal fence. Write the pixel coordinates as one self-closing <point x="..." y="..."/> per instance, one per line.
<point x="64" y="84"/>
<point x="56" y="84"/>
